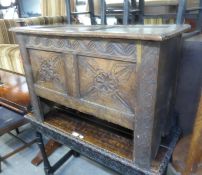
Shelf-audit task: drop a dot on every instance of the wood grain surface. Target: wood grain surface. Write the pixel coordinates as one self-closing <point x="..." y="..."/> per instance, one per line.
<point x="146" y="32"/>
<point x="92" y="134"/>
<point x="109" y="72"/>
<point x="194" y="159"/>
<point x="13" y="91"/>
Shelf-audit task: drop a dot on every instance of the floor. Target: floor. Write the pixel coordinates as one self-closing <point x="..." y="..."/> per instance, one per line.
<point x="20" y="164"/>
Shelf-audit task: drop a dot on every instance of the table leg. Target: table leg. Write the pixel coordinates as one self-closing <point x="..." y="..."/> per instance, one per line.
<point x="47" y="167"/>
<point x="49" y="170"/>
<point x="50" y="147"/>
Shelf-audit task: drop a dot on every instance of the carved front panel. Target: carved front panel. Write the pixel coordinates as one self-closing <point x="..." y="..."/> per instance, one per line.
<point x="107" y="82"/>
<point x="48" y="70"/>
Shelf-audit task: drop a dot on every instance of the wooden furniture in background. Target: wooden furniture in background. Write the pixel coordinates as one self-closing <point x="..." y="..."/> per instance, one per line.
<point x="14" y="95"/>
<point x="130" y="10"/>
<point x="194" y="158"/>
<point x="14" y="103"/>
<point x="14" y="91"/>
<point x="72" y="14"/>
<point x="123" y="75"/>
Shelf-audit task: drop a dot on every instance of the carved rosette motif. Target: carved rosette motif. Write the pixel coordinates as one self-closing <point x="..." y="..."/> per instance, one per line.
<point x="125" y="50"/>
<point x="107" y="82"/>
<point x="47" y="71"/>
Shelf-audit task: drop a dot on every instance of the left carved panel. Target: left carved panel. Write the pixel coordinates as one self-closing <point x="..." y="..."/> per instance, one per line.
<point x="48" y="70"/>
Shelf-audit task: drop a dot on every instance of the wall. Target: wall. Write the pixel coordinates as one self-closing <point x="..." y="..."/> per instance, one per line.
<point x="190" y="81"/>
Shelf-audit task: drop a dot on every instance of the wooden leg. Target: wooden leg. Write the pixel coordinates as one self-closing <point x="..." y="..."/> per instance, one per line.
<point x="17" y="131"/>
<point x="47" y="167"/>
<point x="50" y="147"/>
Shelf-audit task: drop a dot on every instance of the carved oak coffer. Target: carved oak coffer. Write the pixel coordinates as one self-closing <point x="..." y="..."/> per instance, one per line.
<point x="122" y="74"/>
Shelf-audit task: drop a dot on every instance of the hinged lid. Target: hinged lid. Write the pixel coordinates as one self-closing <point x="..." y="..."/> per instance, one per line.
<point x="142" y="32"/>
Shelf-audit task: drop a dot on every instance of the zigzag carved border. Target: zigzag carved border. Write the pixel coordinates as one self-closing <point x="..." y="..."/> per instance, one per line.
<point x="101" y="47"/>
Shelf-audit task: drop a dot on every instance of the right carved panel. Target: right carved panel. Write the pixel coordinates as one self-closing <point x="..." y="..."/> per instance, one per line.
<point x="107" y="82"/>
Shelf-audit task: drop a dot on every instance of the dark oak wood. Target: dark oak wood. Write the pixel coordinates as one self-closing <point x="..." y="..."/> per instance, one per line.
<point x="124" y="75"/>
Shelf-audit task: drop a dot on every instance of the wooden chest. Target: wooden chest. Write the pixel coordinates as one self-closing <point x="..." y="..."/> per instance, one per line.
<point x="122" y="74"/>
